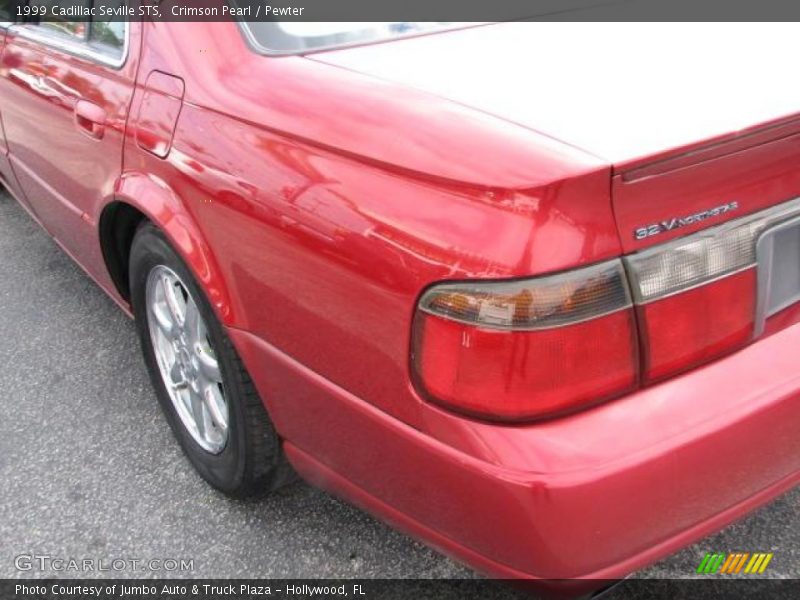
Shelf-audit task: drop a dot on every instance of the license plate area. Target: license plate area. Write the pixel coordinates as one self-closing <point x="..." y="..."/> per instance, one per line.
<point x="778" y="255"/>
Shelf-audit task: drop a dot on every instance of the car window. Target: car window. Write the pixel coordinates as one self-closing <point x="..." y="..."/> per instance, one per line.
<point x="74" y="30"/>
<point x="5" y="11"/>
<point x="108" y="37"/>
<point x="9" y="9"/>
<point x="102" y="39"/>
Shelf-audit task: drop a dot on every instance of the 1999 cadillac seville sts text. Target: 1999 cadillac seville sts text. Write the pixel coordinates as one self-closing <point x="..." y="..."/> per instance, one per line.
<point x="538" y="317"/>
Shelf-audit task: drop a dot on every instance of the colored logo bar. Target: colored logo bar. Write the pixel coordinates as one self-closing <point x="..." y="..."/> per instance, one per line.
<point x="735" y="562"/>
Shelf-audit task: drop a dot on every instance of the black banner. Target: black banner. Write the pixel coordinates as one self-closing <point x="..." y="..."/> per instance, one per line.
<point x="384" y="589"/>
<point x="405" y="11"/>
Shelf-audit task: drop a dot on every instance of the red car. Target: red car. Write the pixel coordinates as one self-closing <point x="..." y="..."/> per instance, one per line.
<point x="531" y="300"/>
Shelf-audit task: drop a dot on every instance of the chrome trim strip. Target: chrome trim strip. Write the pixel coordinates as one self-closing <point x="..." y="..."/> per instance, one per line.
<point x="81" y="49"/>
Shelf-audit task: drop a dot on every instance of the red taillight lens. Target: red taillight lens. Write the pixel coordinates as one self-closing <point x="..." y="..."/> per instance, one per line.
<point x="527" y="349"/>
<point x="693" y="327"/>
<point x="696" y="296"/>
<point x="525" y="374"/>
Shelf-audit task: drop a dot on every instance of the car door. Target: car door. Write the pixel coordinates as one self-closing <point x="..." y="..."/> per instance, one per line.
<point x="66" y="88"/>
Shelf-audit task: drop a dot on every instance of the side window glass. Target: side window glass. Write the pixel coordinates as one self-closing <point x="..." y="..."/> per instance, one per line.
<point x="105" y="38"/>
<point x="108" y="37"/>
<point x="6" y="10"/>
<point x="71" y="30"/>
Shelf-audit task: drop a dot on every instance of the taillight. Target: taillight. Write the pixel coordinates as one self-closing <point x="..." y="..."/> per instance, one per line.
<point x="537" y="347"/>
<point x="696" y="296"/>
<point x="527" y="348"/>
<point x="687" y="329"/>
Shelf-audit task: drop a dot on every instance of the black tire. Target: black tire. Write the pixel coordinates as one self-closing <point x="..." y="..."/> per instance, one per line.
<point x="252" y="462"/>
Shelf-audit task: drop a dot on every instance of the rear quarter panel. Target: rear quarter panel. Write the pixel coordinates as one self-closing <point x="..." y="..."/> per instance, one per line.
<point x="328" y="201"/>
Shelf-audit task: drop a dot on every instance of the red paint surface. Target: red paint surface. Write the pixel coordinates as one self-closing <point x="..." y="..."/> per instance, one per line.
<point x="314" y="203"/>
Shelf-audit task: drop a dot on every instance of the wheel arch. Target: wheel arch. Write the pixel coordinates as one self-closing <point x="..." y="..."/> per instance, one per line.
<point x="140" y="197"/>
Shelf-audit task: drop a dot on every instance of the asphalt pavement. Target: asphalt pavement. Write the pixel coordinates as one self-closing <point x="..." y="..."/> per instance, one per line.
<point x="89" y="468"/>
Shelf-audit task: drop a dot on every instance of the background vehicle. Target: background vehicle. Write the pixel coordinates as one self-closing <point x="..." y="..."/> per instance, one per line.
<point x="430" y="293"/>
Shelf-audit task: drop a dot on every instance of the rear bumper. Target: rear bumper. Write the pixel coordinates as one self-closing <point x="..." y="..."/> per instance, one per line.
<point x="596" y="495"/>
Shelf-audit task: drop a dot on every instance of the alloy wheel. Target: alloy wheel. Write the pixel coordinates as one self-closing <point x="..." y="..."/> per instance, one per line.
<point x="186" y="359"/>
